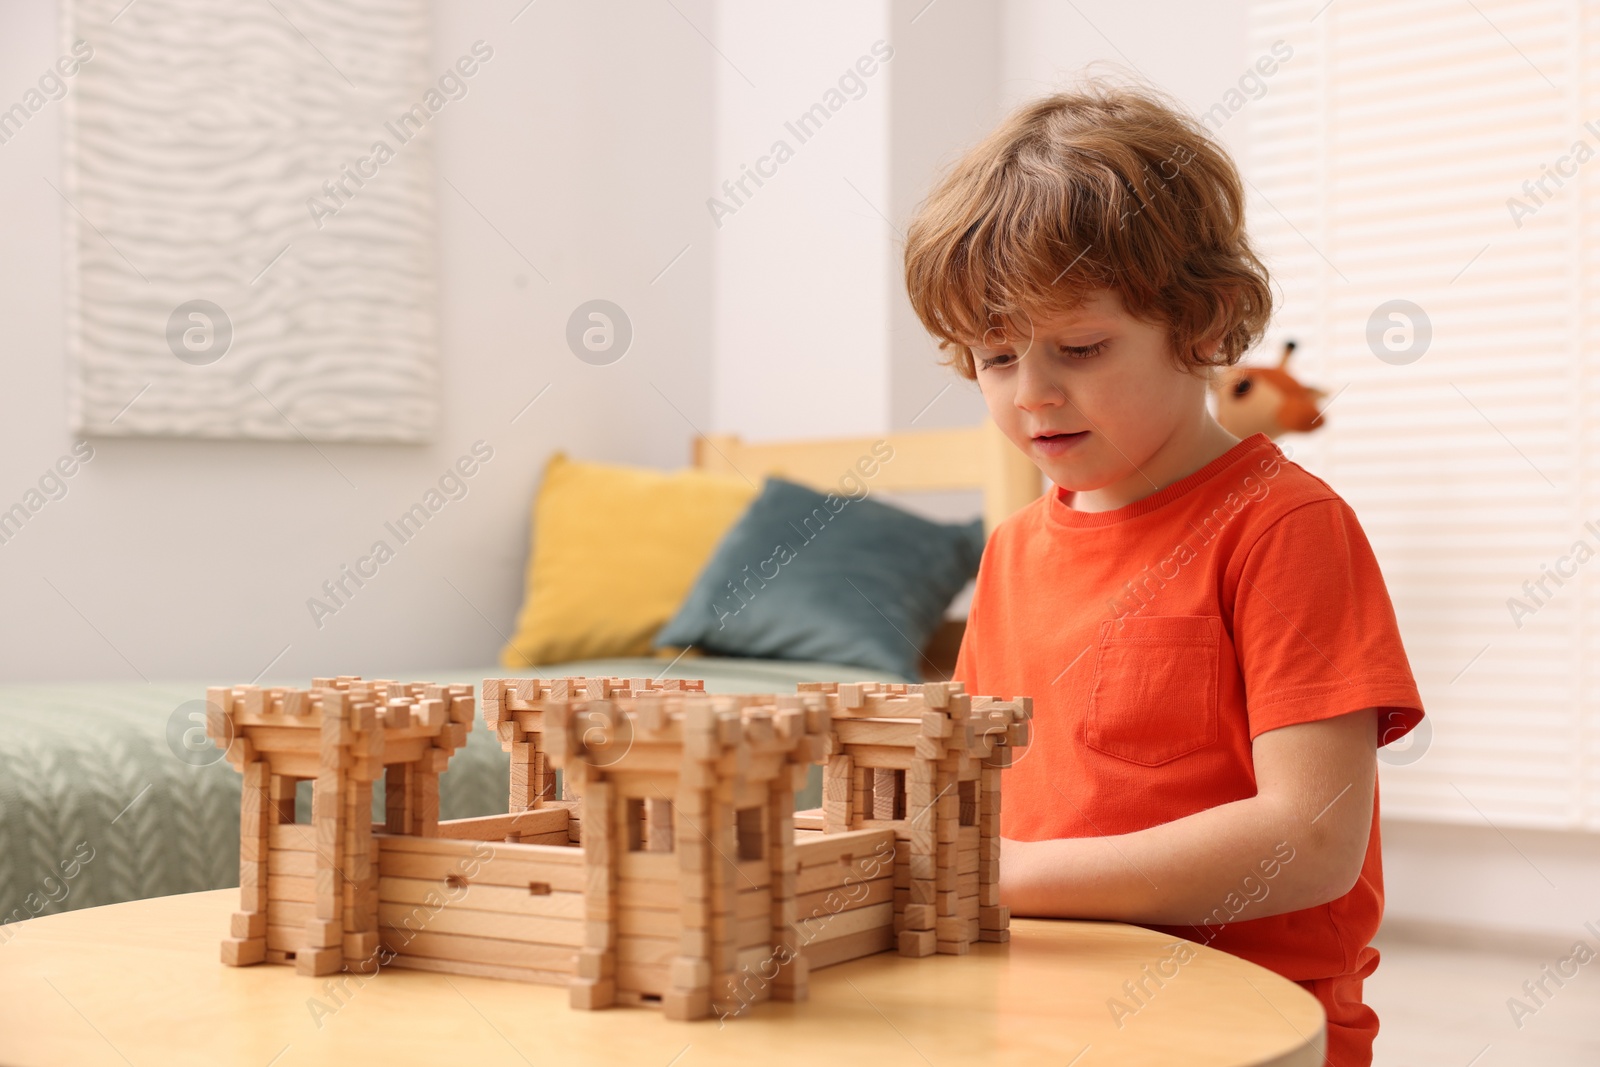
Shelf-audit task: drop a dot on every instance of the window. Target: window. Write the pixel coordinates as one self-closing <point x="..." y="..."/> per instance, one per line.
<point x="650" y="824"/>
<point x="1413" y="152"/>
<point x="968" y="792"/>
<point x="885" y="793"/>
<point x="752" y="835"/>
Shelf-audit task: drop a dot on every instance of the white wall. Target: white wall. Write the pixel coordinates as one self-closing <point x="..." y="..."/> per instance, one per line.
<point x="946" y="96"/>
<point x="587" y="143"/>
<point x="801" y="302"/>
<point x="1193" y="51"/>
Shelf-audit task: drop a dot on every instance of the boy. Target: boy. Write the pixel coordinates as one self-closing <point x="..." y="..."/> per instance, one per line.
<point x="1211" y="651"/>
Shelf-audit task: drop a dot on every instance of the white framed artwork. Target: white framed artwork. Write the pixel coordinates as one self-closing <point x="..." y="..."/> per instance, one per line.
<point x="248" y="194"/>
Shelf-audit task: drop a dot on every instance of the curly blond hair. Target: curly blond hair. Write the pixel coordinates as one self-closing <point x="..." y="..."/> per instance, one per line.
<point x="1103" y="187"/>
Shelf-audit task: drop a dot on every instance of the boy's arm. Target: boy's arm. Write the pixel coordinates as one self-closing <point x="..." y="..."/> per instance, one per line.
<point x="1314" y="784"/>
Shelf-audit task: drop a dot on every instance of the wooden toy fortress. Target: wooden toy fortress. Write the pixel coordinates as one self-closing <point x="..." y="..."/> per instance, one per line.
<point x="671" y="870"/>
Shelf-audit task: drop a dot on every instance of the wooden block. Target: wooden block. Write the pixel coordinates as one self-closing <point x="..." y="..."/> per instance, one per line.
<point x="689" y="973"/>
<point x="252" y="701"/>
<point x="877" y="731"/>
<point x="858" y="894"/>
<point x="1000" y="936"/>
<point x="247" y="925"/>
<point x="954" y="948"/>
<point x="994" y="918"/>
<point x="319" y="961"/>
<point x="922" y="891"/>
<point x="840" y="924"/>
<point x="916" y="943"/>
<point x="848" y="947"/>
<point x="695" y="942"/>
<point x="559" y="962"/>
<point x="844" y="848"/>
<point x="252" y="873"/>
<point x="241" y="752"/>
<point x="686" y="1005"/>
<point x="288" y="915"/>
<point x="650" y="922"/>
<point x="596" y="965"/>
<point x="239" y="952"/>
<point x="596" y="933"/>
<point x="294" y="893"/>
<point x="592" y="994"/>
<point x="360" y="945"/>
<point x="325" y="933"/>
<point x="457" y="920"/>
<point x="426" y="814"/>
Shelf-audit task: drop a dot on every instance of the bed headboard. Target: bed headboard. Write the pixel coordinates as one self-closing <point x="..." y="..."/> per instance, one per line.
<point x="969" y="457"/>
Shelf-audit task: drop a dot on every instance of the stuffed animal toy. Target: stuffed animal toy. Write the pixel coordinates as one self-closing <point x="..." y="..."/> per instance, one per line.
<point x="1266" y="400"/>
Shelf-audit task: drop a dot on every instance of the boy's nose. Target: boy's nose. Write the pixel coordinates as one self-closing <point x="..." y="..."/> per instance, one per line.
<point x="1035" y="388"/>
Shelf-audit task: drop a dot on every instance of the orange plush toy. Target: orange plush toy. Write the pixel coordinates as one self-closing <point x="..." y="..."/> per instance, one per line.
<point x="1266" y="400"/>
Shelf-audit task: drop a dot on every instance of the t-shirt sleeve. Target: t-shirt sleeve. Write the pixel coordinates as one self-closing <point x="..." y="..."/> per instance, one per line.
<point x="1314" y="628"/>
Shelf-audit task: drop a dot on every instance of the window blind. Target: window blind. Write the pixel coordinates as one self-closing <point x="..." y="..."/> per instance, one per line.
<point x="1447" y="154"/>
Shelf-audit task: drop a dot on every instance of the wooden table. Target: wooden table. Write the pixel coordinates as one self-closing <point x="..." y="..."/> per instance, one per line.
<point x="140" y="983"/>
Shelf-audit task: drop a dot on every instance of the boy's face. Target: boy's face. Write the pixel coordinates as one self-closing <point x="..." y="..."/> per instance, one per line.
<point x="1096" y="400"/>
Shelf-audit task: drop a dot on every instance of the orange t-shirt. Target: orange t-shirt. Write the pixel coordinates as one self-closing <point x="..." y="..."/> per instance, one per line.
<point x="1158" y="640"/>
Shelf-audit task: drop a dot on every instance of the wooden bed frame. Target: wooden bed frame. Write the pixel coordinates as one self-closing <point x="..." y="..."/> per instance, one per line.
<point x="969" y="457"/>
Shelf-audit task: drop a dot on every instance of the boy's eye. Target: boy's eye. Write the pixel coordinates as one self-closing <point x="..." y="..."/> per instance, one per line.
<point x="1006" y="359"/>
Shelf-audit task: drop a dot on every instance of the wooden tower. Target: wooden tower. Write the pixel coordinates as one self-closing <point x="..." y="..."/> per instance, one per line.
<point x="308" y="890"/>
<point x="925" y="761"/>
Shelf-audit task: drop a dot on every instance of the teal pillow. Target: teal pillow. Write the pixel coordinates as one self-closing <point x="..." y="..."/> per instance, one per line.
<point x="807" y="576"/>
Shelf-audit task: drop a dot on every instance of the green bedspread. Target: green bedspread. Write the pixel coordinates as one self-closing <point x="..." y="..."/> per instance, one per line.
<point x="100" y="801"/>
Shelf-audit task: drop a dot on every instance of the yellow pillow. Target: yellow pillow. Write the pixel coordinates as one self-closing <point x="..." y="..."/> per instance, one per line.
<point x="615" y="550"/>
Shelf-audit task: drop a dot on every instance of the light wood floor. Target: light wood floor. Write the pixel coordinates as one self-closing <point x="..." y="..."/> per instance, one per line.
<point x="1442" y="1006"/>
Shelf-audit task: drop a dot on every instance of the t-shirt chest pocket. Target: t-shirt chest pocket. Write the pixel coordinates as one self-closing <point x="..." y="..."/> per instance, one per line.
<point x="1154" y="693"/>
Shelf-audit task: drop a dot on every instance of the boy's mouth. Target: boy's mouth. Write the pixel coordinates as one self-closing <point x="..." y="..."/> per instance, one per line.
<point x="1054" y="444"/>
